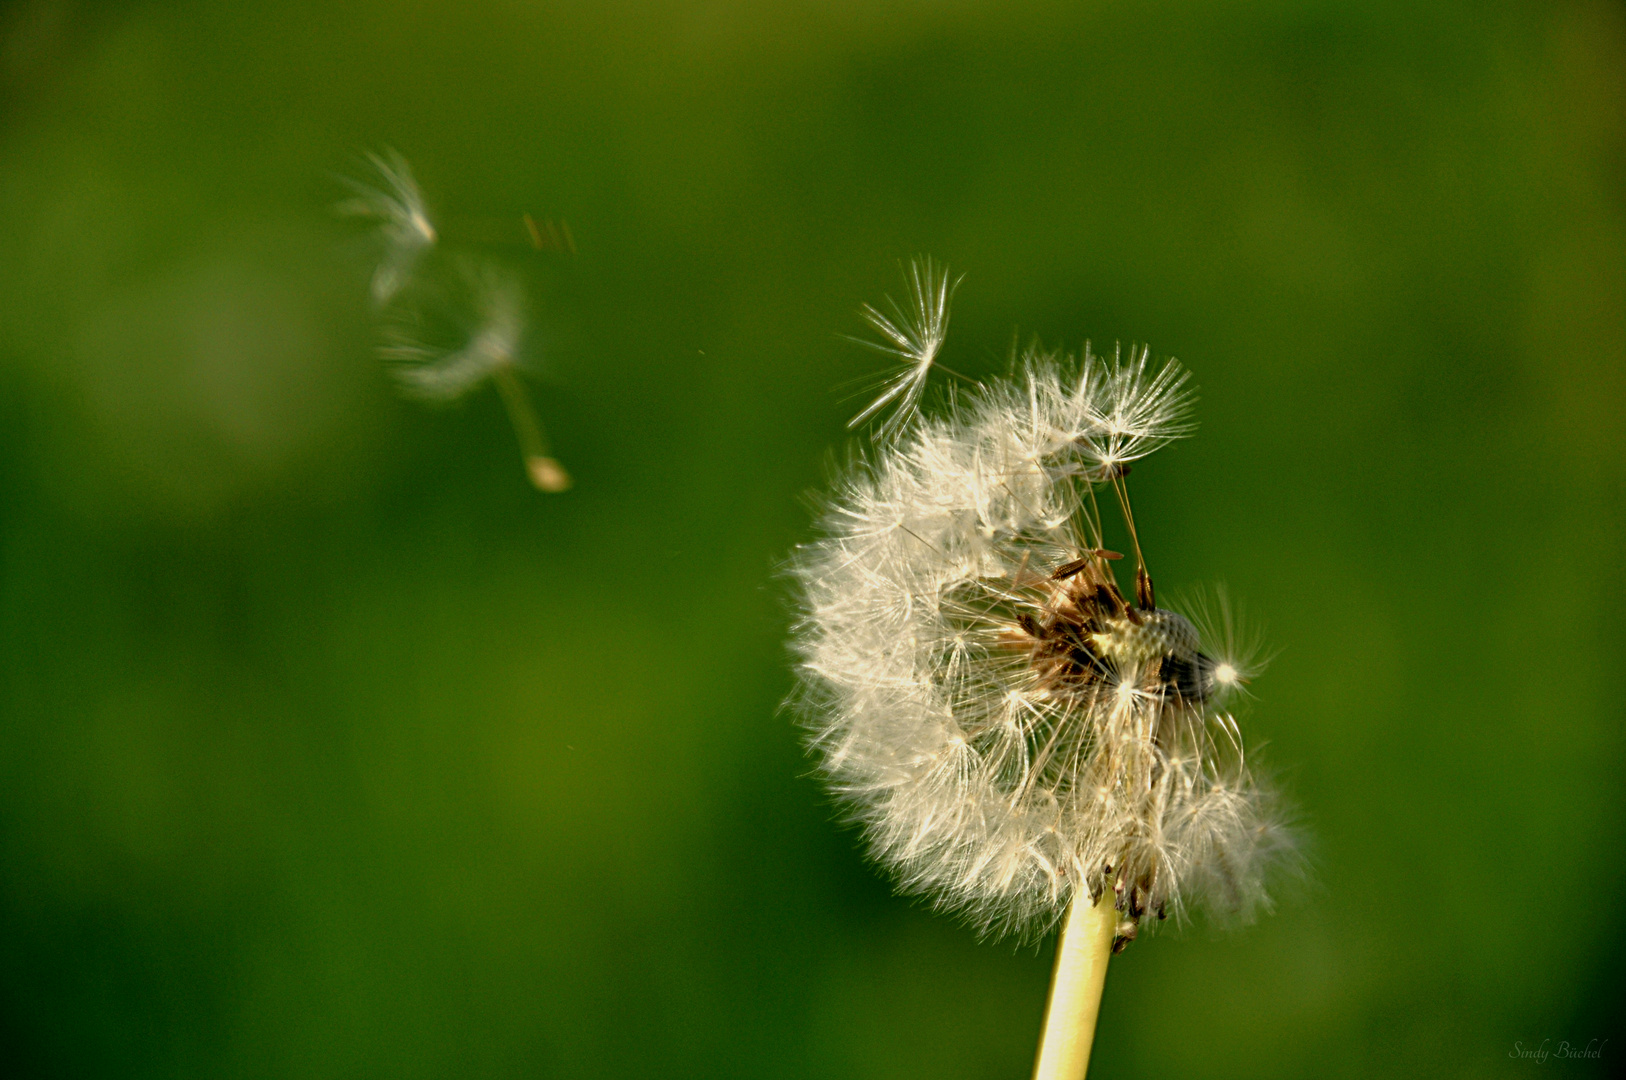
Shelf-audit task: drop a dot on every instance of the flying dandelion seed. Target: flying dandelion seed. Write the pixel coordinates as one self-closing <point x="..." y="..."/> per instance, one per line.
<point x="490" y="339"/>
<point x="1017" y="737"/>
<point x="914" y="334"/>
<point x="446" y="332"/>
<point x="486" y="344"/>
<point x="403" y="221"/>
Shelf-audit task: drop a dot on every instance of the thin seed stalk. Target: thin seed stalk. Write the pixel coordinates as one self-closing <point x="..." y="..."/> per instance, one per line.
<point x="1075" y="989"/>
<point x="540" y="464"/>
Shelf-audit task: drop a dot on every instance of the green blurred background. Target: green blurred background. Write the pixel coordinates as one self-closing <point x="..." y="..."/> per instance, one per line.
<point x="330" y="749"/>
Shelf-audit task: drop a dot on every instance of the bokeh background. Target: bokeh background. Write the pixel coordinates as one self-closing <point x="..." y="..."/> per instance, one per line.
<point x="328" y="748"/>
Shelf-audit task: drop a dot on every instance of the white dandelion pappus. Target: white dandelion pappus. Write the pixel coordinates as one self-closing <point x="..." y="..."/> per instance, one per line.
<point x="489" y="348"/>
<point x="1235" y="641"/>
<point x="404" y="227"/>
<point x="1135" y="410"/>
<point x="914" y="334"/>
<point x="449" y="323"/>
<point x="1008" y="728"/>
<point x="491" y="338"/>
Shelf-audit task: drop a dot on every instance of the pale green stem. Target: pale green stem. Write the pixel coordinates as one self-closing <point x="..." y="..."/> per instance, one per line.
<point x="1075" y="989"/>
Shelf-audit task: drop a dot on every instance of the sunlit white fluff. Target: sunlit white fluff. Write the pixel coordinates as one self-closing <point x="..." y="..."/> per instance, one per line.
<point x="1134" y="408"/>
<point x="1008" y="729"/>
<point x="914" y="333"/>
<point x="1235" y="643"/>
<point x="404" y="229"/>
<point x="444" y="362"/>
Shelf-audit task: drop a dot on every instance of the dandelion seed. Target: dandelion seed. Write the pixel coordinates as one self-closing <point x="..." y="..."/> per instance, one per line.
<point x="403" y="221"/>
<point x="1132" y="410"/>
<point x="1235" y="644"/>
<point x="449" y="328"/>
<point x="486" y="340"/>
<point x="1019" y="739"/>
<point x="487" y="347"/>
<point x="914" y="334"/>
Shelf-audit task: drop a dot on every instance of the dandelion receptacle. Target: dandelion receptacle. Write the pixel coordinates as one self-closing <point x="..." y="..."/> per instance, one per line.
<point x="1024" y="739"/>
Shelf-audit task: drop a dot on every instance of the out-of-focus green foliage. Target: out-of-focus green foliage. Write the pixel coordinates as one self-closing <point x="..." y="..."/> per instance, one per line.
<point x="330" y="748"/>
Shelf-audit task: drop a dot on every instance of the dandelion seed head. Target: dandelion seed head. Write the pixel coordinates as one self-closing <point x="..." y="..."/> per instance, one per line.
<point x="1008" y="729"/>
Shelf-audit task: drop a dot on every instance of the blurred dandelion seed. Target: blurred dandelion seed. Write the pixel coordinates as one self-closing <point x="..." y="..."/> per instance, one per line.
<point x="913" y="333"/>
<point x="448" y="331"/>
<point x="492" y="340"/>
<point x="549" y="235"/>
<point x="404" y="228"/>
<point x="1017" y="738"/>
<point x="489" y="349"/>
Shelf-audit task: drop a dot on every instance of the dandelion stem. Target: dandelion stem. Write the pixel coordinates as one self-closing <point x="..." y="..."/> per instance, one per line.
<point x="1075" y="989"/>
<point x="540" y="464"/>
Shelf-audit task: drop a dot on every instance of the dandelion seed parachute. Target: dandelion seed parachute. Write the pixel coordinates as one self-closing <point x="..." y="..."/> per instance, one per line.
<point x="913" y="333"/>
<point x="397" y="204"/>
<point x="491" y="309"/>
<point x="487" y="336"/>
<point x="1008" y="729"/>
<point x="450" y="327"/>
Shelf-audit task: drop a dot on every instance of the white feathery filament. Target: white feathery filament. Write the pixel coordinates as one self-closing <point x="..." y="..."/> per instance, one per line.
<point x="1009" y="729"/>
<point x="914" y="333"/>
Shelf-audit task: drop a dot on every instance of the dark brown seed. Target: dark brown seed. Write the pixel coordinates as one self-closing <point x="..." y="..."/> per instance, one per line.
<point x="1067" y="570"/>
